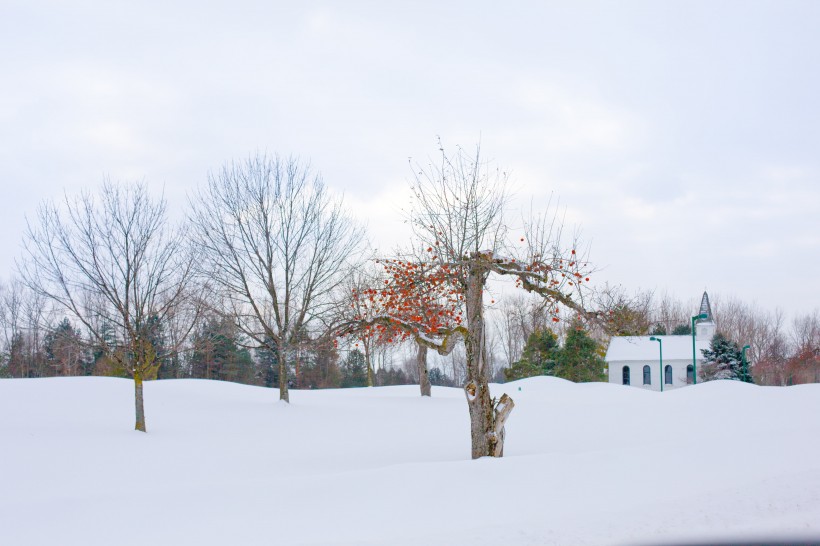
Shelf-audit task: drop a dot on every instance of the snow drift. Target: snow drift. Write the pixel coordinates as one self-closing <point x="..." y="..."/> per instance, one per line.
<point x="229" y="464"/>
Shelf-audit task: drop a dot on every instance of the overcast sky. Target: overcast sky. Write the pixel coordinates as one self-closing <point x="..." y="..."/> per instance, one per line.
<point x="683" y="137"/>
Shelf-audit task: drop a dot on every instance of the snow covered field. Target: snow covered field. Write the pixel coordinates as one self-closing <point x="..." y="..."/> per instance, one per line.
<point x="227" y="464"/>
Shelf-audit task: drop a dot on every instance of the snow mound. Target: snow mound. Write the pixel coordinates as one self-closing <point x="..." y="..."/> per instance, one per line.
<point x="229" y="464"/>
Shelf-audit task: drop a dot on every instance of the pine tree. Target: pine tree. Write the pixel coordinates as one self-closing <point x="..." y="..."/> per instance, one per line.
<point x="682" y="330"/>
<point x="64" y="350"/>
<point x="538" y="357"/>
<point x="439" y="378"/>
<point x="267" y="358"/>
<point x="354" y="370"/>
<point x="217" y="353"/>
<point x="103" y="362"/>
<point x="168" y="363"/>
<point x="392" y="376"/>
<point x="724" y="361"/>
<point x="579" y="359"/>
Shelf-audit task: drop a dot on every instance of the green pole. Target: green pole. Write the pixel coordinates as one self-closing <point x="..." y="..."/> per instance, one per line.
<point x="744" y="361"/>
<point x="694" y="354"/>
<point x="660" y="347"/>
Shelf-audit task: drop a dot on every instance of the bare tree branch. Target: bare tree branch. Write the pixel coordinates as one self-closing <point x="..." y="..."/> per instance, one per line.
<point x="277" y="246"/>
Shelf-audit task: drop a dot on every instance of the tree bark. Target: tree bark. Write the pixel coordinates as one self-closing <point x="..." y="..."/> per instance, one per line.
<point x="366" y="345"/>
<point x="138" y="400"/>
<point x="487" y="417"/>
<point x="501" y="410"/>
<point x="283" y="375"/>
<point x="421" y="364"/>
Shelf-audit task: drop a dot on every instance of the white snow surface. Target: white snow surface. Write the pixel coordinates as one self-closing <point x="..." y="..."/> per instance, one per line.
<point x="229" y="464"/>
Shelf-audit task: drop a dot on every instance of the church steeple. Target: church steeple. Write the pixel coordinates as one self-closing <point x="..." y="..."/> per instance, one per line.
<point x="705" y="308"/>
<point x="705" y="328"/>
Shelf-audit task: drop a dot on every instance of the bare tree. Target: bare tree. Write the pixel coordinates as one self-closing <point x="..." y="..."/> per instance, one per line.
<point x="770" y="350"/>
<point x="112" y="260"/>
<point x="738" y="320"/>
<point x="671" y="313"/>
<point x="627" y="314"/>
<point x="518" y="317"/>
<point x="277" y="245"/>
<point x="11" y="322"/>
<point x="25" y="321"/>
<point x="804" y="365"/>
<point x="806" y="332"/>
<point x="383" y="357"/>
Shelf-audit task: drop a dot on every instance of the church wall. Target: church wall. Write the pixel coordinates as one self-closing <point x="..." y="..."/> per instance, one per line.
<point x="636" y="373"/>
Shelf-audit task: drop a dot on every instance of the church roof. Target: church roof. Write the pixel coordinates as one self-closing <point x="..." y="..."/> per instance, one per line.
<point x="638" y="348"/>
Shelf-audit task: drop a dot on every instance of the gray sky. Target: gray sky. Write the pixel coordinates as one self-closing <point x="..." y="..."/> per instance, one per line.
<point x="682" y="136"/>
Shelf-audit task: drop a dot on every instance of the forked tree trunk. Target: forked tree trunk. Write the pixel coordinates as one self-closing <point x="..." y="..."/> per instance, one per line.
<point x="421" y="364"/>
<point x="138" y="400"/>
<point x="487" y="416"/>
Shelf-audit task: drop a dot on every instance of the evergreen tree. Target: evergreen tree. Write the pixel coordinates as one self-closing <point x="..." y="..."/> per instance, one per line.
<point x="238" y="366"/>
<point x="392" y="376"/>
<point x="168" y="362"/>
<point x="538" y="357"/>
<point x="267" y="358"/>
<point x="579" y="359"/>
<point x="682" y="330"/>
<point x="439" y="378"/>
<point x="101" y="350"/>
<point x="218" y="355"/>
<point x="64" y="350"/>
<point x="724" y="361"/>
<point x="354" y="370"/>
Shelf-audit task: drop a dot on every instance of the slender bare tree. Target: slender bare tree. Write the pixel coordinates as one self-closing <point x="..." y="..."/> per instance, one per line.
<point x="277" y="245"/>
<point x="11" y="323"/>
<point x="806" y="332"/>
<point x="112" y="262"/>
<point x="519" y="316"/>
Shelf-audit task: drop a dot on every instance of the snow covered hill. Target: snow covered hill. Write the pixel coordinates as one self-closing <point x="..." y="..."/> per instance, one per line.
<point x="227" y="464"/>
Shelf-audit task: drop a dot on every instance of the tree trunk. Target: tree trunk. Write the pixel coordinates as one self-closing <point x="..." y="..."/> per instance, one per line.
<point x="283" y="375"/>
<point x="138" y="400"/>
<point x="369" y="364"/>
<point x="487" y="416"/>
<point x="421" y="364"/>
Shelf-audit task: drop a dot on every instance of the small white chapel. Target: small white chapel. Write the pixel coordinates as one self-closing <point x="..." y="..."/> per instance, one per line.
<point x="636" y="360"/>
